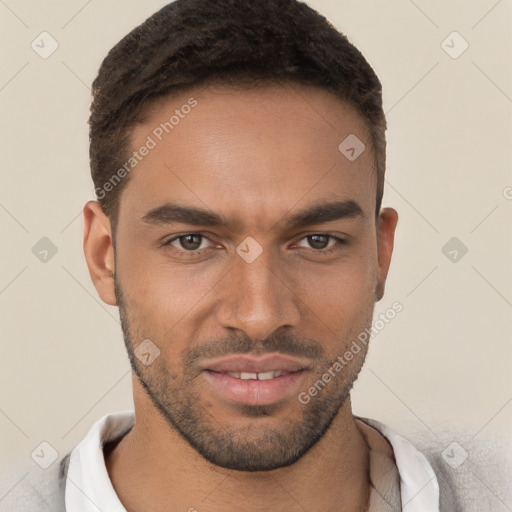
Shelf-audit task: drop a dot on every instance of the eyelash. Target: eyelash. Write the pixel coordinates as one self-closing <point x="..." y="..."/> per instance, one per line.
<point x="196" y="252"/>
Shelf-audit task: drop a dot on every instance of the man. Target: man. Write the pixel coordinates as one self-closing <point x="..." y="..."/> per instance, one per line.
<point x="238" y="156"/>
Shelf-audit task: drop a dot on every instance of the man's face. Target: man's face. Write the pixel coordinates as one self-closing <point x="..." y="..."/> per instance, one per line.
<point x="213" y="304"/>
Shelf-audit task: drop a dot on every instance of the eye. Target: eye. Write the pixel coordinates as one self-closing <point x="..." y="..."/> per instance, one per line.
<point x="190" y="242"/>
<point x="193" y="244"/>
<point x="319" y="241"/>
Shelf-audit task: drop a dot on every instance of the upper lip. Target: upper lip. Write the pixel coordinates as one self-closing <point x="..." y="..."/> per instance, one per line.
<point x="251" y="364"/>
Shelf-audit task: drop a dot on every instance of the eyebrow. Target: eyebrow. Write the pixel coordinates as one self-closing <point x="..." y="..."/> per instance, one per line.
<point x="173" y="213"/>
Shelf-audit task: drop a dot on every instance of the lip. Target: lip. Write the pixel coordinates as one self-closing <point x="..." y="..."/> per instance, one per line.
<point x="255" y="392"/>
<point x="252" y="391"/>
<point x="251" y="364"/>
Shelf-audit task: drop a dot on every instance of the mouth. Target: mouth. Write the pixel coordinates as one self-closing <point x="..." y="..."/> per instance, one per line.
<point x="246" y="364"/>
<point x="255" y="381"/>
<point x="256" y="376"/>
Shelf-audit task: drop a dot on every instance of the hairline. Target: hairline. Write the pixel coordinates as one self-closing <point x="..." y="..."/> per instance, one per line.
<point x="244" y="83"/>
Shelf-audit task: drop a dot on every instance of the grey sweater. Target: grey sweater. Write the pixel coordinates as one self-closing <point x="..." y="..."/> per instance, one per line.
<point x="482" y="484"/>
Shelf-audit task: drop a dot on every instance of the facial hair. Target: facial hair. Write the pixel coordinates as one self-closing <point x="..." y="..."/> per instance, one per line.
<point x="255" y="446"/>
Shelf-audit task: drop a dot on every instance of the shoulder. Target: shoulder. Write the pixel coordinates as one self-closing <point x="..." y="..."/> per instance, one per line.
<point x="473" y="473"/>
<point x="43" y="490"/>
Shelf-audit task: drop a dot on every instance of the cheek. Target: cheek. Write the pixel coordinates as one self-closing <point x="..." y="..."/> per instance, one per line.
<point x="341" y="287"/>
<point x="345" y="304"/>
<point x="340" y="299"/>
<point x="156" y="284"/>
<point x="167" y="304"/>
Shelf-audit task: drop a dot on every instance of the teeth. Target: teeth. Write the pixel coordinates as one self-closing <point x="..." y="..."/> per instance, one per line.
<point x="266" y="375"/>
<point x="256" y="376"/>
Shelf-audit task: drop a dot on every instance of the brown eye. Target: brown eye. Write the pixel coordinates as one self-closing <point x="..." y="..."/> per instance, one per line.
<point x="320" y="241"/>
<point x="189" y="242"/>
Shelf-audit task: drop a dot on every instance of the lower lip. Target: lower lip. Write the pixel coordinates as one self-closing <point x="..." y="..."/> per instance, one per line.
<point x="255" y="392"/>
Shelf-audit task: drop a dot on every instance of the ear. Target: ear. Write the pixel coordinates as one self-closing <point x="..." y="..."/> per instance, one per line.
<point x="99" y="252"/>
<point x="386" y="224"/>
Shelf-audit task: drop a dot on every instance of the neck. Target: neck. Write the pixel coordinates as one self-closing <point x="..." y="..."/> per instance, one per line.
<point x="154" y="469"/>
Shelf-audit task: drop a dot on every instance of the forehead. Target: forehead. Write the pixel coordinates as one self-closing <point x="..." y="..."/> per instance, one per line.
<point x="250" y="154"/>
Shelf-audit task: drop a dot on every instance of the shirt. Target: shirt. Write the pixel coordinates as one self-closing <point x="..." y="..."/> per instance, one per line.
<point x="89" y="489"/>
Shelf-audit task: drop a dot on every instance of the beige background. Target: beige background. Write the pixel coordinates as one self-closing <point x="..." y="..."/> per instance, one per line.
<point x="442" y="368"/>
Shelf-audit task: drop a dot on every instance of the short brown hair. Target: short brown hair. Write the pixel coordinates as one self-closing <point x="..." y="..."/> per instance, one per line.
<point x="189" y="42"/>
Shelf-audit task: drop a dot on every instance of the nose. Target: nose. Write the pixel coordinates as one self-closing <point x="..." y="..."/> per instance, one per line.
<point x="256" y="298"/>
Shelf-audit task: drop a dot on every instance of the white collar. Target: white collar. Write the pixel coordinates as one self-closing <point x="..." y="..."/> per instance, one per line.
<point x="89" y="489"/>
<point x="88" y="486"/>
<point x="419" y="488"/>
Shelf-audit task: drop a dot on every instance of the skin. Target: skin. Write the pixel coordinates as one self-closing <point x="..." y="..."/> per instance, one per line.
<point x="255" y="156"/>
